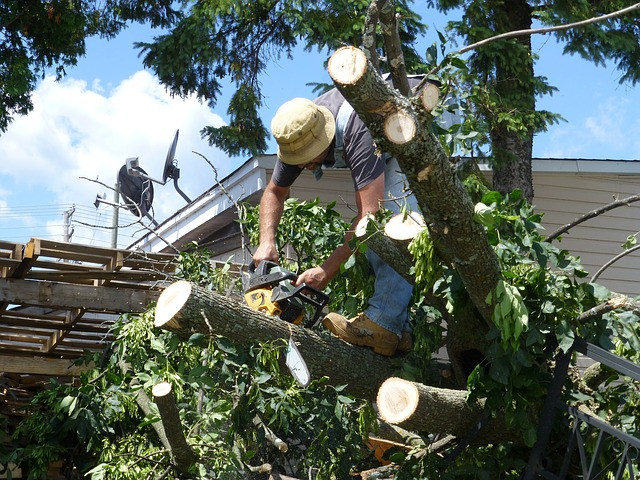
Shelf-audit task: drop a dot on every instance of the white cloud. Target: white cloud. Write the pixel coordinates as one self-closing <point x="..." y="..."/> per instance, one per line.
<point x="610" y="132"/>
<point x="79" y="131"/>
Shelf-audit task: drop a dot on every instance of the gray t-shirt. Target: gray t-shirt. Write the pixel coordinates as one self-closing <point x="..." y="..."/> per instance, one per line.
<point x="359" y="152"/>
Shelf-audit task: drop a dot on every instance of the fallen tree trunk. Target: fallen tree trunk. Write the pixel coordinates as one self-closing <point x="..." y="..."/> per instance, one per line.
<point x="185" y="309"/>
<point x="420" y="408"/>
<point x="183" y="455"/>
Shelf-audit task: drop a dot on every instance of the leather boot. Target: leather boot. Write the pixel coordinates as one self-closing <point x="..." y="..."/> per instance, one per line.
<point x="360" y="330"/>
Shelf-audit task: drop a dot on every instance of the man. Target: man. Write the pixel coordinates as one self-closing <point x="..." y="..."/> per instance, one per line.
<point x="328" y="133"/>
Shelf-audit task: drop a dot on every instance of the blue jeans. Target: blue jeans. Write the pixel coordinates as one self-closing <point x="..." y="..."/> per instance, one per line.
<point x="391" y="296"/>
<point x="392" y="293"/>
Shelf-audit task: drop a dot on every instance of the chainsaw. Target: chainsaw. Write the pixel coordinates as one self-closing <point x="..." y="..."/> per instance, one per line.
<point x="269" y="288"/>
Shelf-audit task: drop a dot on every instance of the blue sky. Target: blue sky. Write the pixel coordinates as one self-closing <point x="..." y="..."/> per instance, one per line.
<point x="109" y="108"/>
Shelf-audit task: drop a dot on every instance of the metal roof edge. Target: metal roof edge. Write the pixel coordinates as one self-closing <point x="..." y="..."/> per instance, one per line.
<point x="580" y="165"/>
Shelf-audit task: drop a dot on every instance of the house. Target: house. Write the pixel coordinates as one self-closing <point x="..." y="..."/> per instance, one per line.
<point x="565" y="189"/>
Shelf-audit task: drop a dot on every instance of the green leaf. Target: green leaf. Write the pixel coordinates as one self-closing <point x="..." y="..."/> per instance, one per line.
<point x="66" y="402"/>
<point x="499" y="371"/>
<point x="483" y="215"/>
<point x="197" y="339"/>
<point x="345" y="400"/>
<point x="565" y="336"/>
<point x="530" y="436"/>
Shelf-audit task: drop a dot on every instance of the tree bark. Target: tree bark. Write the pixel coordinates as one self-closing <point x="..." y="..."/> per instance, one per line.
<point x="459" y="240"/>
<point x="513" y="151"/>
<point x="185" y="309"/>
<point x="183" y="456"/>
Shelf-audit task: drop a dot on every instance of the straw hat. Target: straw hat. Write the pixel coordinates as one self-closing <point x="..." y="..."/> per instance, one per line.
<point x="303" y="130"/>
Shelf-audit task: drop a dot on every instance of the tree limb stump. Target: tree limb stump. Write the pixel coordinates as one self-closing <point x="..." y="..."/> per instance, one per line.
<point x="183" y="455"/>
<point x="420" y="408"/>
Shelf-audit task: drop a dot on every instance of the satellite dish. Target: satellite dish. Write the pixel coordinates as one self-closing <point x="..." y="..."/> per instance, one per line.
<point x="136" y="191"/>
<point x="170" y="170"/>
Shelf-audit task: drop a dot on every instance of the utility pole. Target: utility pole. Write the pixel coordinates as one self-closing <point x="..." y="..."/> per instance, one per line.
<point x="68" y="231"/>
<point x="114" y="217"/>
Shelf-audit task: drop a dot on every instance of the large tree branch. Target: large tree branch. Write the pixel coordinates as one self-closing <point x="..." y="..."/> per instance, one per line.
<point x="183" y="455"/>
<point x="393" y="45"/>
<point x="592" y="214"/>
<point x="185" y="308"/>
<point x="403" y="128"/>
<point x="556" y="28"/>
<point x="421" y="408"/>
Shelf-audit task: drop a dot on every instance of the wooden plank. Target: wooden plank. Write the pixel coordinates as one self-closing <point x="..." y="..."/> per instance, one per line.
<point x="31" y="254"/>
<point x="11" y="321"/>
<point x="6" y="245"/>
<point x="66" y="297"/>
<point x="40" y="366"/>
<point x="93" y="275"/>
<point x="54" y="248"/>
<point x="58" y="336"/>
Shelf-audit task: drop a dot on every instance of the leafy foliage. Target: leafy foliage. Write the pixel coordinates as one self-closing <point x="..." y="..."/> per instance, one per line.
<point x="231" y="399"/>
<point x="218" y="40"/>
<point x="41" y="35"/>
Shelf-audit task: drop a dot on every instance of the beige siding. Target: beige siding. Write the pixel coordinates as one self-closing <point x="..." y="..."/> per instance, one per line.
<point x="566" y="197"/>
<point x="335" y="185"/>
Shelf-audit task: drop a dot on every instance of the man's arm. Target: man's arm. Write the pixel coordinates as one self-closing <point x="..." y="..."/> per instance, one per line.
<point x="271" y="207"/>
<point x="368" y="201"/>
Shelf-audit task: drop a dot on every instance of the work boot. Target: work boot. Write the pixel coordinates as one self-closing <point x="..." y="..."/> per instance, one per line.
<point x="405" y="344"/>
<point x="362" y="331"/>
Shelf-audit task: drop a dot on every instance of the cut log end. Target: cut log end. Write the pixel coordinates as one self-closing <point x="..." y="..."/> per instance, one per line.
<point x="430" y="96"/>
<point x="397" y="400"/>
<point x="399" y="128"/>
<point x="347" y="65"/>
<point x="361" y="226"/>
<point x="170" y="302"/>
<point x="161" y="389"/>
<point x="404" y="227"/>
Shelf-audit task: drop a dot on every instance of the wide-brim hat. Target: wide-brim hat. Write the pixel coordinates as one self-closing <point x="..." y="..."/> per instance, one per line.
<point x="303" y="130"/>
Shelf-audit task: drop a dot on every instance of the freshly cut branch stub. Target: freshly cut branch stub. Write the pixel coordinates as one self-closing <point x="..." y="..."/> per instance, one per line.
<point x="430" y="96"/>
<point x="347" y="65"/>
<point x="397" y="400"/>
<point x="399" y="128"/>
<point x="170" y="302"/>
<point x="404" y="227"/>
<point x="161" y="389"/>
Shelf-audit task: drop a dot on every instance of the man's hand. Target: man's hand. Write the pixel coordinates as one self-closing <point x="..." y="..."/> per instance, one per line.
<point x="265" y="251"/>
<point x="314" y="277"/>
